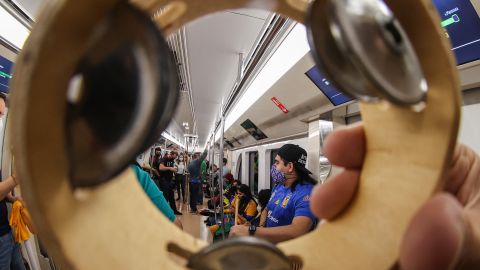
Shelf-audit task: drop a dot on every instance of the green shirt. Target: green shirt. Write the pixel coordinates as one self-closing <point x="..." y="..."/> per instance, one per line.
<point x="155" y="195"/>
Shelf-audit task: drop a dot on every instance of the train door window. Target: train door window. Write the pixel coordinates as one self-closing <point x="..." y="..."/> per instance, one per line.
<point x="273" y="154"/>
<point x="253" y="172"/>
<point x="239" y="171"/>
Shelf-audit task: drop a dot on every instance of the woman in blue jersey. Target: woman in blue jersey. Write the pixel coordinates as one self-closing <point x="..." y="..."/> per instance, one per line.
<point x="287" y="214"/>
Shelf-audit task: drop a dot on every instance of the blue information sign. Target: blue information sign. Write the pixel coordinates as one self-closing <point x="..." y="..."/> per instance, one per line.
<point x="461" y="21"/>
<point x="336" y="97"/>
<point x="5" y="74"/>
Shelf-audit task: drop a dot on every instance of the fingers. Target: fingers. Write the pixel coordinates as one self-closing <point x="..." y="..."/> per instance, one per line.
<point x="330" y="199"/>
<point x="345" y="147"/>
<point x="435" y="236"/>
<point x="464" y="176"/>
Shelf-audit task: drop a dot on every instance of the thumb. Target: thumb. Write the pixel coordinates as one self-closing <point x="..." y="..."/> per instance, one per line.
<point x="435" y="236"/>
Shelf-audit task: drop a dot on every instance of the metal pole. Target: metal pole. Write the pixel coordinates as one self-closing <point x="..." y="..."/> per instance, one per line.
<point x="212" y="181"/>
<point x="152" y="155"/>
<point x="222" y="214"/>
<point x="187" y="176"/>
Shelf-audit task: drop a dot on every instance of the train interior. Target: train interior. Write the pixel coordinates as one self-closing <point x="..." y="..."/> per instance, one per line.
<point x="248" y="84"/>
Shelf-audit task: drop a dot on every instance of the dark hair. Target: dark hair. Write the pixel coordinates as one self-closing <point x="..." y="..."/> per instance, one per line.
<point x="264" y="197"/>
<point x="225" y="161"/>
<point x="231" y="192"/>
<point x="303" y="177"/>
<point x="245" y="199"/>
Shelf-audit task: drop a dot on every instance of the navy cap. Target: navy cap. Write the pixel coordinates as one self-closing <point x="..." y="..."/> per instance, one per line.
<point x="295" y="154"/>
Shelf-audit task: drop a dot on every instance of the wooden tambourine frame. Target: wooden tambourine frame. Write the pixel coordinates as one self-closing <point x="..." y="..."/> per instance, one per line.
<point x="114" y="226"/>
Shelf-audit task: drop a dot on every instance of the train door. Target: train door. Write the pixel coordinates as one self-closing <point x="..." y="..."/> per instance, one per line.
<point x="253" y="172"/>
<point x="238" y="176"/>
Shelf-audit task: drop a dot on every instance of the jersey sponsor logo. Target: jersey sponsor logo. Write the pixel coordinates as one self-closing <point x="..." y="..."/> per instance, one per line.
<point x="286" y="200"/>
<point x="277" y="201"/>
<point x="269" y="216"/>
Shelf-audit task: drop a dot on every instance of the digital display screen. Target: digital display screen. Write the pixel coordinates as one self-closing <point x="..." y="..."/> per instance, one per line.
<point x="461" y="21"/>
<point x="253" y="130"/>
<point x="336" y="97"/>
<point x="5" y="74"/>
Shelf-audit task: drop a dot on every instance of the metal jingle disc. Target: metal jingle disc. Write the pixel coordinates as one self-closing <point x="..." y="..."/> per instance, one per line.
<point x="240" y="253"/>
<point x="364" y="51"/>
<point x="124" y="95"/>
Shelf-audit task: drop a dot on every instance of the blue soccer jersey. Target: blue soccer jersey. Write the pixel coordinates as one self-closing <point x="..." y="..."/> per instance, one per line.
<point x="285" y="204"/>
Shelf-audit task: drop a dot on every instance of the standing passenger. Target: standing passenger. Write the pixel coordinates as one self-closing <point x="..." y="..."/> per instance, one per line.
<point x="195" y="179"/>
<point x="180" y="178"/>
<point x="10" y="256"/>
<point x="155" y="164"/>
<point x="287" y="214"/>
<point x="167" y="169"/>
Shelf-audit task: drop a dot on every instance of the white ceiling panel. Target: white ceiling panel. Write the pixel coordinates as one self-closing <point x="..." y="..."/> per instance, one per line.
<point x="30" y="7"/>
<point x="214" y="44"/>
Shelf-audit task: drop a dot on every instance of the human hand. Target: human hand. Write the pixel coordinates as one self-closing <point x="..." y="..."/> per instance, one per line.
<point x="444" y="233"/>
<point x="238" y="230"/>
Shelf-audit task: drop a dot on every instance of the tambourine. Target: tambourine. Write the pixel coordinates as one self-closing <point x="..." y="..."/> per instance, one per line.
<point x="76" y="127"/>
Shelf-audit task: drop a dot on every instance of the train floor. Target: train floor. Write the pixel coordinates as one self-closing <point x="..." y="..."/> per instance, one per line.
<point x="194" y="224"/>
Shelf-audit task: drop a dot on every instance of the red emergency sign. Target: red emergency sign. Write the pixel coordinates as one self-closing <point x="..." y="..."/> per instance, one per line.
<point x="279" y="104"/>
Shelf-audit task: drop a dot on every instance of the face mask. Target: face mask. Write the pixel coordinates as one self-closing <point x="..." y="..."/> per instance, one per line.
<point x="277" y="176"/>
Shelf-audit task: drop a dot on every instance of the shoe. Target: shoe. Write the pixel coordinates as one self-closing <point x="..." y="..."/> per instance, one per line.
<point x="177" y="213"/>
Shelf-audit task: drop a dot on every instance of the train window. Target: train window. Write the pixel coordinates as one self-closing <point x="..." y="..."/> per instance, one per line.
<point x="253" y="172"/>
<point x="239" y="171"/>
<point x="273" y="154"/>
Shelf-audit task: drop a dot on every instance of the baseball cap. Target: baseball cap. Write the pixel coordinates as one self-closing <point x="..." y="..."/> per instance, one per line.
<point x="295" y="154"/>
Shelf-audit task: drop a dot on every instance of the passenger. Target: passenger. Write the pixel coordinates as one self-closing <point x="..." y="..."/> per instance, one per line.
<point x="227" y="181"/>
<point x="247" y="207"/>
<point x="263" y="198"/>
<point x="232" y="191"/>
<point x="154" y="173"/>
<point x="180" y="178"/>
<point x="225" y="169"/>
<point x="10" y="256"/>
<point x="155" y="195"/>
<point x="167" y="170"/>
<point x="444" y="233"/>
<point x="195" y="179"/>
<point x="287" y="214"/>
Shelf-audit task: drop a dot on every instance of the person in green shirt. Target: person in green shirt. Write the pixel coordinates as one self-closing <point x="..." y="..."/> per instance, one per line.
<point x="155" y="195"/>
